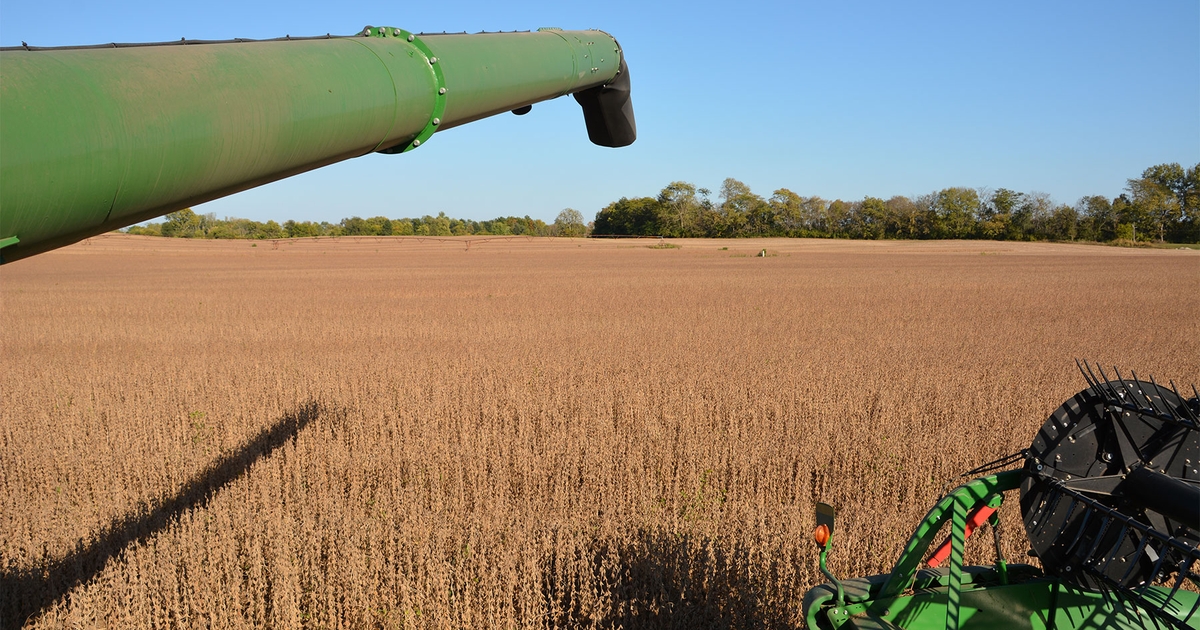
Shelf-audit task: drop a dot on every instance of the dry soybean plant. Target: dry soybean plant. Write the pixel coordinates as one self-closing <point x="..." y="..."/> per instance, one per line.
<point x="530" y="434"/>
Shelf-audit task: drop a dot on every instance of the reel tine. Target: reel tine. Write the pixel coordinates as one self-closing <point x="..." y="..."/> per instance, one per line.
<point x="1185" y="568"/>
<point x="1091" y="378"/>
<point x="1070" y="508"/>
<point x="1112" y="553"/>
<point x="1187" y="411"/>
<point x="1111" y="393"/>
<point x="1155" y="572"/>
<point x="1087" y="515"/>
<point x="1137" y="555"/>
<point x="1150" y="397"/>
<point x="1137" y="406"/>
<point x="1125" y="387"/>
<point x="1105" y="522"/>
<point x="1090" y="383"/>
<point x="1139" y="384"/>
<point x="1165" y="415"/>
<point x="1099" y="383"/>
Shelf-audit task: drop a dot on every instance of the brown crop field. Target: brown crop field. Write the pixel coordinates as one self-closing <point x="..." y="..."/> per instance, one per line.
<point x="405" y="433"/>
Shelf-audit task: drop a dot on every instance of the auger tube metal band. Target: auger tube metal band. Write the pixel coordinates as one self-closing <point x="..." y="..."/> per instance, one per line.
<point x="439" y="81"/>
<point x="98" y="138"/>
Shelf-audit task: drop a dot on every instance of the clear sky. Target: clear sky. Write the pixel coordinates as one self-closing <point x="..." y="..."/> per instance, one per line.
<point x="837" y="99"/>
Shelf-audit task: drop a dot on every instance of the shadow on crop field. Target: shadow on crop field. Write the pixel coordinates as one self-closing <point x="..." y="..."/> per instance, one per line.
<point x="25" y="594"/>
<point x="662" y="580"/>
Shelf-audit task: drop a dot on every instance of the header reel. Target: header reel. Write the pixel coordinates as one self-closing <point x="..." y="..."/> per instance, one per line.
<point x="1110" y="498"/>
<point x="1111" y="495"/>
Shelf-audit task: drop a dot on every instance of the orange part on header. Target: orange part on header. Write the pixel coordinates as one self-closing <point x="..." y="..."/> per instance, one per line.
<point x="977" y="518"/>
<point x="821" y="534"/>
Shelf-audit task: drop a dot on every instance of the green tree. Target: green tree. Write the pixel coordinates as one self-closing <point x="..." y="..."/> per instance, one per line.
<point x="497" y="226"/>
<point x="355" y="226"/>
<point x="182" y="224"/>
<point x="1035" y="211"/>
<point x="270" y="229"/>
<point x="439" y="225"/>
<point x="996" y="214"/>
<point x="637" y="216"/>
<point x="1184" y="184"/>
<point x="225" y="230"/>
<point x="1097" y="213"/>
<point x="1126" y="216"/>
<point x="1191" y="206"/>
<point x="870" y="219"/>
<point x="927" y="208"/>
<point x="742" y="211"/>
<point x="760" y="219"/>
<point x="813" y="213"/>
<point x="956" y="208"/>
<point x="680" y="209"/>
<point x="1160" y="194"/>
<point x="150" y="229"/>
<point x="208" y="221"/>
<point x="570" y="223"/>
<point x="1133" y="219"/>
<point x="402" y="227"/>
<point x="301" y="229"/>
<point x="1063" y="224"/>
<point x="905" y="219"/>
<point x="381" y="226"/>
<point x="787" y="210"/>
<point x="837" y="219"/>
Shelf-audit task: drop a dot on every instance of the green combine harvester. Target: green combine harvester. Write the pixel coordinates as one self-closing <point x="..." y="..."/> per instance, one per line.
<point x="1110" y="496"/>
<point x="97" y="138"/>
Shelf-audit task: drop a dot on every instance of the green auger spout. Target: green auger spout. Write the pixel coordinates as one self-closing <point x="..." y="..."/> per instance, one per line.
<point x="101" y="137"/>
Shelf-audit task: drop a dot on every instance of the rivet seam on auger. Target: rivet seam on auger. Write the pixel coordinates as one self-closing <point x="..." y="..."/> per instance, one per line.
<point x="439" y="78"/>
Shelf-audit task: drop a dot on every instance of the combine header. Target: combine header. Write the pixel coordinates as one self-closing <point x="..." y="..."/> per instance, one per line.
<point x="1110" y="496"/>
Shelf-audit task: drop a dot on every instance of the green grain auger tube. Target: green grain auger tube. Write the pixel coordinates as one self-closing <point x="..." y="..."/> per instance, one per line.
<point x="1110" y="497"/>
<point x="96" y="138"/>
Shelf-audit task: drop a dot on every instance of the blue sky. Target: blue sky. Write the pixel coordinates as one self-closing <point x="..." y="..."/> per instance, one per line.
<point x="837" y="99"/>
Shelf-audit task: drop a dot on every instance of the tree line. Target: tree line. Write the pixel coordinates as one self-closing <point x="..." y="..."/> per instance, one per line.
<point x="187" y="224"/>
<point x="1161" y="205"/>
